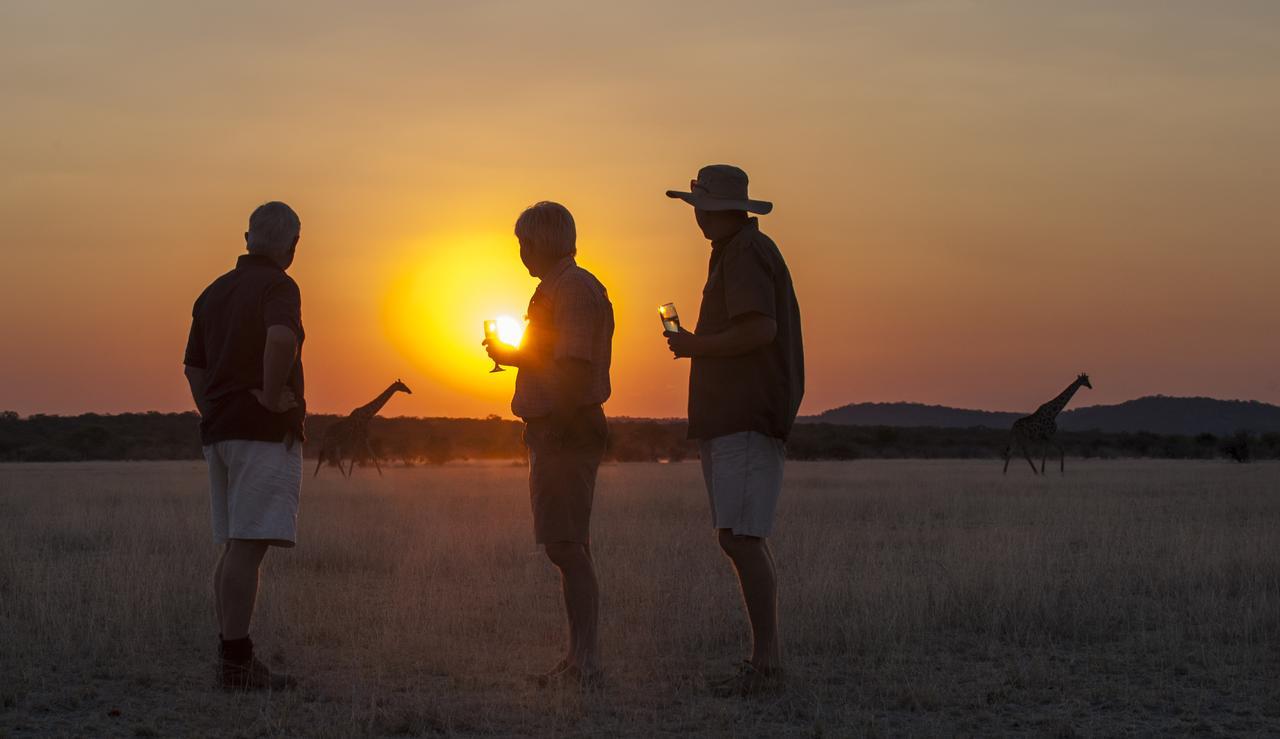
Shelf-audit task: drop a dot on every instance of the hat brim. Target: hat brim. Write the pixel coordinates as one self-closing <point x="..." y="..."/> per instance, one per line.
<point x="706" y="202"/>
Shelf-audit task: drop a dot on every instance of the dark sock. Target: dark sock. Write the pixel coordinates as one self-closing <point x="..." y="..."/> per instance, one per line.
<point x="237" y="650"/>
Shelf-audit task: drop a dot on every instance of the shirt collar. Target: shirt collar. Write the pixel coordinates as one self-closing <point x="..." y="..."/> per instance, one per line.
<point x="256" y="260"/>
<point x="751" y="226"/>
<point x="558" y="269"/>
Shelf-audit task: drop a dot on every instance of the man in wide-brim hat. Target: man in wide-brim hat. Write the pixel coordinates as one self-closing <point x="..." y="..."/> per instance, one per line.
<point x="746" y="379"/>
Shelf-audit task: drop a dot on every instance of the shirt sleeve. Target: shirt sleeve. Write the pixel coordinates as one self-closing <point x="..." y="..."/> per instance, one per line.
<point x="195" y="356"/>
<point x="576" y="317"/>
<point x="282" y="306"/>
<point x="748" y="284"/>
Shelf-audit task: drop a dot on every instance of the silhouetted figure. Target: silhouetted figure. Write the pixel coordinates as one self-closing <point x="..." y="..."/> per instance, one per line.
<point x="746" y="380"/>
<point x="563" y="380"/>
<point x="349" y="438"/>
<point x="244" y="366"/>
<point x="1040" y="427"/>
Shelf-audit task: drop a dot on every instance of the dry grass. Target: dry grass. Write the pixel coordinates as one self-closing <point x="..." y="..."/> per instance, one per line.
<point x="927" y="598"/>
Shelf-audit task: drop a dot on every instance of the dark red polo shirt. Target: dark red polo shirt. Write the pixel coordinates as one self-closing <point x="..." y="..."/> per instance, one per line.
<point x="228" y="336"/>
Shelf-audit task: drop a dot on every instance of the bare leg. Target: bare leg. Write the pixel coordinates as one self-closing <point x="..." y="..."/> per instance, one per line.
<point x="238" y="585"/>
<point x="758" y="578"/>
<point x="581" y="601"/>
<point x="217" y="587"/>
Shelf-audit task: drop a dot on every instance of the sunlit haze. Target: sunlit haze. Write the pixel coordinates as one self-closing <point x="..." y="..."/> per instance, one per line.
<point x="977" y="200"/>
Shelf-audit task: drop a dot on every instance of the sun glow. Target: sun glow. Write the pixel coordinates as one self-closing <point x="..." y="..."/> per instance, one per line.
<point x="510" y="331"/>
<point x="434" y="311"/>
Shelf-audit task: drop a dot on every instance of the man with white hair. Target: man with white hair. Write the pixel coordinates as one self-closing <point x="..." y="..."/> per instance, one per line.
<point x="244" y="366"/>
<point x="563" y="380"/>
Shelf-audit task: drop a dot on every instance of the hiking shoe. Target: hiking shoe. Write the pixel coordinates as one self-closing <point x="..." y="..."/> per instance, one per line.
<point x="251" y="674"/>
<point x="748" y="681"/>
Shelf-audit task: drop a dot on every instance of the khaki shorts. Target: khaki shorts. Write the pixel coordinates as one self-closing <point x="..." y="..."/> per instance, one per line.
<point x="562" y="475"/>
<point x="254" y="488"/>
<point x="743" y="473"/>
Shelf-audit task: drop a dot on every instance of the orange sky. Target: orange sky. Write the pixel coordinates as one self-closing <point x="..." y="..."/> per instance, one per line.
<point x="977" y="200"/>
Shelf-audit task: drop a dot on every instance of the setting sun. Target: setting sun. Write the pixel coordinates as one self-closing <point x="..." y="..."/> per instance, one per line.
<point x="510" y="331"/>
<point x="448" y="286"/>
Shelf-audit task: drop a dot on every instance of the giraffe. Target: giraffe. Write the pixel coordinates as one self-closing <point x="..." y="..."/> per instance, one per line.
<point x="349" y="437"/>
<point x="1039" y="427"/>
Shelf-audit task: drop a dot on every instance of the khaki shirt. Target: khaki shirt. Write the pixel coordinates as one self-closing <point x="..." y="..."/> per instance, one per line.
<point x="570" y="316"/>
<point x="761" y="390"/>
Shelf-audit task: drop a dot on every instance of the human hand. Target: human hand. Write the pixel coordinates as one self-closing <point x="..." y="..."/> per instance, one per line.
<point x="283" y="403"/>
<point x="501" y="353"/>
<point x="682" y="343"/>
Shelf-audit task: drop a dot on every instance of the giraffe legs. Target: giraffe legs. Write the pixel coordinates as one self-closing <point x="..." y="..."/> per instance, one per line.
<point x="369" y="450"/>
<point x="319" y="461"/>
<point x="1062" y="458"/>
<point x="1026" y="453"/>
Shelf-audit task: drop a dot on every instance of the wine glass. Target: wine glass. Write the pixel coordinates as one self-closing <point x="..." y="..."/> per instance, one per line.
<point x="491" y="333"/>
<point x="670" y="319"/>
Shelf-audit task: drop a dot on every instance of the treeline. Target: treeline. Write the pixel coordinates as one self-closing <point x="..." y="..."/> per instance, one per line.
<point x="144" y="436"/>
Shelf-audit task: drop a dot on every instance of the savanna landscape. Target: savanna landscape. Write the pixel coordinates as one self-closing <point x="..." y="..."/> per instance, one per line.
<point x="999" y="287"/>
<point x="932" y="598"/>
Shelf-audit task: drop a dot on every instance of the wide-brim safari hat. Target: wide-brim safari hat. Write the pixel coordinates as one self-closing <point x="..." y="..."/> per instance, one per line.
<point x="721" y="187"/>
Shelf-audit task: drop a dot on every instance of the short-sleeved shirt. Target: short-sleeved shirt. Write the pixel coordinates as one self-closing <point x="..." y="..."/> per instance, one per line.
<point x="570" y="316"/>
<point x="229" y="325"/>
<point x="761" y="390"/>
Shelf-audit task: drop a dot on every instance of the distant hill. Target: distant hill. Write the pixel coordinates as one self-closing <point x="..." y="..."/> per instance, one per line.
<point x="914" y="415"/>
<point x="1165" y="415"/>
<point x="1157" y="414"/>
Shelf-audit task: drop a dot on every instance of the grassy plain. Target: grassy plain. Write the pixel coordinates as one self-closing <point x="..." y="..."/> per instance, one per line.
<point x="921" y="598"/>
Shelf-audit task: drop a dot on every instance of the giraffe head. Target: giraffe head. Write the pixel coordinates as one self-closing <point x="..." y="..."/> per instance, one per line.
<point x="401" y="387"/>
<point x="1083" y="379"/>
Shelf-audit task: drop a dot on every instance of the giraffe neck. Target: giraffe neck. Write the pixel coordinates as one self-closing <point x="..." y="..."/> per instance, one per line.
<point x="1055" y="406"/>
<point x="370" y="409"/>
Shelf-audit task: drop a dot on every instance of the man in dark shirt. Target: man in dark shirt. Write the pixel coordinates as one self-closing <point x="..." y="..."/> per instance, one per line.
<point x="746" y="380"/>
<point x="244" y="366"/>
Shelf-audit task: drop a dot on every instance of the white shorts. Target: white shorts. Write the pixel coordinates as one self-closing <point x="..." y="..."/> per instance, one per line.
<point x="743" y="472"/>
<point x="254" y="488"/>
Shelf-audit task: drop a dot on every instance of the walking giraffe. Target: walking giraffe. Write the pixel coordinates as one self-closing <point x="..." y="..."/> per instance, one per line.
<point x="1040" y="427"/>
<point x="350" y="436"/>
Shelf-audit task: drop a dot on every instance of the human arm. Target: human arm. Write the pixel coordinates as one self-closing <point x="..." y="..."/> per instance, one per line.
<point x="746" y="334"/>
<point x="745" y="278"/>
<point x="194" y="361"/>
<point x="282" y="321"/>
<point x="195" y="380"/>
<point x="278" y="356"/>
<point x="505" y="354"/>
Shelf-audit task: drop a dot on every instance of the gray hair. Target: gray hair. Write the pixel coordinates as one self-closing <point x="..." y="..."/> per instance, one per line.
<point x="548" y="229"/>
<point x="272" y="229"/>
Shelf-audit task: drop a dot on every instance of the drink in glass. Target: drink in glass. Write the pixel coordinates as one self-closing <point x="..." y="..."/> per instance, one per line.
<point x="491" y="333"/>
<point x="670" y="319"/>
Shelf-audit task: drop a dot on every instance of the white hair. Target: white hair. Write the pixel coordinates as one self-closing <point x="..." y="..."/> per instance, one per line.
<point x="272" y="229"/>
<point x="548" y="229"/>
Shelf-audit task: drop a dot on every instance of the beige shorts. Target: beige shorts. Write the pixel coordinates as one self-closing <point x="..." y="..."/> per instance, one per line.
<point x="254" y="490"/>
<point x="743" y="473"/>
